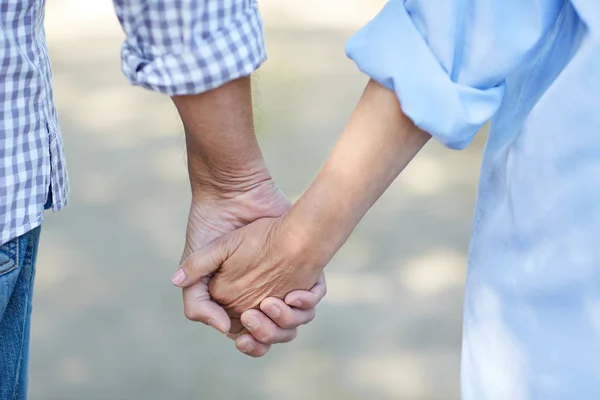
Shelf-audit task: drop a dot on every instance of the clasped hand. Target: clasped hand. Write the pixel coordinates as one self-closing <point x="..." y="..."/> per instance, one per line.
<point x="217" y="220"/>
<point x="266" y="259"/>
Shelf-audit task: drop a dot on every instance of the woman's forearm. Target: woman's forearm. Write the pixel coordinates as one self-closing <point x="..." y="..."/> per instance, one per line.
<point x="376" y="145"/>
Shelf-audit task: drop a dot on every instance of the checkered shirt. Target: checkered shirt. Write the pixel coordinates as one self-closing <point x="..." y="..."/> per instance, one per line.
<point x="175" y="47"/>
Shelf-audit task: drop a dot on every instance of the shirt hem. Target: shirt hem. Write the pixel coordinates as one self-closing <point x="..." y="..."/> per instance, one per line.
<point x="21" y="230"/>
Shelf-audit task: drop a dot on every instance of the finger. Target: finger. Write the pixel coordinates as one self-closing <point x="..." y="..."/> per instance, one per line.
<point x="249" y="346"/>
<point x="197" y="306"/>
<point x="264" y="330"/>
<point x="284" y="316"/>
<point x="200" y="264"/>
<point x="305" y="299"/>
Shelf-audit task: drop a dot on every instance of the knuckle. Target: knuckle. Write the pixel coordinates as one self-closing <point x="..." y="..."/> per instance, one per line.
<point x="286" y="321"/>
<point x="190" y="266"/>
<point x="192" y="314"/>
<point x="218" y="292"/>
<point x="265" y="336"/>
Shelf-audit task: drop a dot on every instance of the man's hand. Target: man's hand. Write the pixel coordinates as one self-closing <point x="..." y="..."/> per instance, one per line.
<point x="231" y="187"/>
<point x="213" y="216"/>
<point x="268" y="258"/>
<point x="297" y="308"/>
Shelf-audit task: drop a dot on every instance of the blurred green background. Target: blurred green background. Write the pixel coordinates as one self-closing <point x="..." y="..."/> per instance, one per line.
<point x="108" y="324"/>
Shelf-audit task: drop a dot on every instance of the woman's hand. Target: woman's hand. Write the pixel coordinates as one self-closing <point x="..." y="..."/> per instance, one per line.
<point x="267" y="258"/>
<point x="215" y="214"/>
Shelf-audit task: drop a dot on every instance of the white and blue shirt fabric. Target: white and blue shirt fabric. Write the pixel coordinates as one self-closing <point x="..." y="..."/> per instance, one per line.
<point x="531" y="326"/>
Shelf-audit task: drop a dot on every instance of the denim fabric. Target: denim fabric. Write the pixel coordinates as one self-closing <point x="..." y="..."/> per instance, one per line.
<point x="17" y="270"/>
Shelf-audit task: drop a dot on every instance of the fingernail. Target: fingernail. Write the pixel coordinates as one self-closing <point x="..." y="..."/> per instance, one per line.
<point x="297" y="303"/>
<point x="252" y="323"/>
<point x="273" y="311"/>
<point x="247" y="347"/>
<point x="178" y="277"/>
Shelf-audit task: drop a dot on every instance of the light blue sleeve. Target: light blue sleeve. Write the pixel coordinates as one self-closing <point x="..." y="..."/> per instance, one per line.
<point x="447" y="60"/>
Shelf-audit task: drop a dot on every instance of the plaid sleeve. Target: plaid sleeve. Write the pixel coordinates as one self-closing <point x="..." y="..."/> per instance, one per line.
<point x="180" y="47"/>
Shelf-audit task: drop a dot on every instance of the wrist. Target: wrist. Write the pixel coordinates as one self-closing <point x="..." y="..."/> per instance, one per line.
<point x="327" y="213"/>
<point x="226" y="181"/>
<point x="316" y="234"/>
<point x="223" y="154"/>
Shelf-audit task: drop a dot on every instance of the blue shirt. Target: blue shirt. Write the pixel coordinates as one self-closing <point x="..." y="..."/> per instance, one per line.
<point x="173" y="46"/>
<point x="531" y="326"/>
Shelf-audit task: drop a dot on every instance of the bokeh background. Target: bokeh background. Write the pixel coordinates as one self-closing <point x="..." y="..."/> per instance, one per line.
<point x="108" y="324"/>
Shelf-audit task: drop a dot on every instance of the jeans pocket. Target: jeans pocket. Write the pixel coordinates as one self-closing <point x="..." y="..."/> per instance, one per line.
<point x="9" y="254"/>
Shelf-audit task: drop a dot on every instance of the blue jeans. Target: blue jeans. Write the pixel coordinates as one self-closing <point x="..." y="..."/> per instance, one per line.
<point x="17" y="270"/>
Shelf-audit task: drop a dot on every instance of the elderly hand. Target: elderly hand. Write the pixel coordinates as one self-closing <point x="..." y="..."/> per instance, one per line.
<point x="231" y="187"/>
<point x="267" y="258"/>
<point x="214" y="215"/>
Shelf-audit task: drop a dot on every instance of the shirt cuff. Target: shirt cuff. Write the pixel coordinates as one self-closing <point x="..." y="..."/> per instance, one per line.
<point x="208" y="62"/>
<point x="393" y="52"/>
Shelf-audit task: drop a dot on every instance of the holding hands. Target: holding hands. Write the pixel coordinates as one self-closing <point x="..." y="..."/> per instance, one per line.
<point x="241" y="269"/>
<point x="253" y="266"/>
<point x="216" y="215"/>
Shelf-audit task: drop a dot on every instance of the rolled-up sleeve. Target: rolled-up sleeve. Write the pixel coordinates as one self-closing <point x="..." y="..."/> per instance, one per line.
<point x="181" y="47"/>
<point x="447" y="61"/>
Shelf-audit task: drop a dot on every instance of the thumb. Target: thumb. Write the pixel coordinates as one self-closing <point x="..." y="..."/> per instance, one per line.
<point x="201" y="263"/>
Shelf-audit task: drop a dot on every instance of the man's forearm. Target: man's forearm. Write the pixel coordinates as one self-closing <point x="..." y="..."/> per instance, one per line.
<point x="223" y="153"/>
<point x="377" y="144"/>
